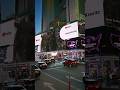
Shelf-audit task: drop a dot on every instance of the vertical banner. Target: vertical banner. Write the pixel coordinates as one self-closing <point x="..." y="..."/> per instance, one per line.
<point x="94" y="13"/>
<point x="38" y="40"/>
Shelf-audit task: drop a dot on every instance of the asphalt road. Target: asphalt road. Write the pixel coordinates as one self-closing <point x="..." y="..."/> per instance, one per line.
<point x="58" y="77"/>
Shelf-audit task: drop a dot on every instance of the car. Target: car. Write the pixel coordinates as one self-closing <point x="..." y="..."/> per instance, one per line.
<point x="53" y="60"/>
<point x="83" y="74"/>
<point x="42" y="65"/>
<point x="71" y="62"/>
<point x="48" y="61"/>
<point x="9" y="82"/>
<point x="14" y="87"/>
<point x="36" y="71"/>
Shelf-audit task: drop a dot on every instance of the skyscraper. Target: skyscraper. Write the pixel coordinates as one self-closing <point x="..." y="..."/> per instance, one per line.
<point x="60" y="12"/>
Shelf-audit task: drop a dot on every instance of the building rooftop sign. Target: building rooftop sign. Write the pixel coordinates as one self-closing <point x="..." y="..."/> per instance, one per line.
<point x="69" y="31"/>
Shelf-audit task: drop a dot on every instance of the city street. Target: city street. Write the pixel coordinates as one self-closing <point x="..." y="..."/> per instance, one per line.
<point x="56" y="77"/>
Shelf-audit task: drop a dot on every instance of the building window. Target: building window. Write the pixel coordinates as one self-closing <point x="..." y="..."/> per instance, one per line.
<point x="3" y="51"/>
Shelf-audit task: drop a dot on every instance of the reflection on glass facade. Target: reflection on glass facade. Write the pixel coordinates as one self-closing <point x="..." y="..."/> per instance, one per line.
<point x="112" y="13"/>
<point x="24" y="6"/>
<point x="7" y="9"/>
<point x="60" y="9"/>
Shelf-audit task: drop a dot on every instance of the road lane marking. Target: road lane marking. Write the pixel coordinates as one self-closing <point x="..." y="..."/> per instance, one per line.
<point x="60" y="81"/>
<point x="53" y="68"/>
<point x="66" y="72"/>
<point x="49" y="85"/>
<point x="71" y="77"/>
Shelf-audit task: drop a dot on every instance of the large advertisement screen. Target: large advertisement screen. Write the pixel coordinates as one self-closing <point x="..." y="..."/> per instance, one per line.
<point x="69" y="31"/>
<point x="102" y="41"/>
<point x="76" y="43"/>
<point x="94" y="13"/>
<point x="51" y="41"/>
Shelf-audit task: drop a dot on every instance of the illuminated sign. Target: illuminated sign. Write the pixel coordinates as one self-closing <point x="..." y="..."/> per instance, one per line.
<point x="76" y="43"/>
<point x="102" y="41"/>
<point x="92" y="43"/>
<point x="69" y="31"/>
<point x="72" y="44"/>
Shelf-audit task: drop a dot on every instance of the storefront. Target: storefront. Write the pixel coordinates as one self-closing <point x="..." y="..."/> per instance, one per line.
<point x="110" y="66"/>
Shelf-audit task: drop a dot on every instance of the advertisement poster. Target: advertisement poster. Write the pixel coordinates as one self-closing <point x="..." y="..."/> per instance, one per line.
<point x="95" y="14"/>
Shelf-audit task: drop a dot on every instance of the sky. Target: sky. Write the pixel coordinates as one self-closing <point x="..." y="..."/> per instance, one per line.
<point x="38" y="14"/>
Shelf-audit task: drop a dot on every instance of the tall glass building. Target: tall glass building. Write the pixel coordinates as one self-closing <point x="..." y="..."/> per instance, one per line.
<point x="62" y="11"/>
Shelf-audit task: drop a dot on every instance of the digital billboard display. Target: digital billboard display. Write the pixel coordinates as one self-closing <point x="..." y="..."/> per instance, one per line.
<point x="102" y="41"/>
<point x="76" y="43"/>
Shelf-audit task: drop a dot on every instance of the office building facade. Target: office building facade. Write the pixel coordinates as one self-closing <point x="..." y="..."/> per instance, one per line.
<point x="17" y="29"/>
<point x="60" y="12"/>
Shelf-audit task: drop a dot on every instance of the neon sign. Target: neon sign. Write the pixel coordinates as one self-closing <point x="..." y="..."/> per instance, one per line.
<point x="72" y="44"/>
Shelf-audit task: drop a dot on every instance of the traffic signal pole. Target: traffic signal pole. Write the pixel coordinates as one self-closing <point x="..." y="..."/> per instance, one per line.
<point x="69" y="82"/>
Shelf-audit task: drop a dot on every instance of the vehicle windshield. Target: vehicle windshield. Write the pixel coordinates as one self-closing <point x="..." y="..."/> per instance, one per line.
<point x="34" y="67"/>
<point x="41" y="63"/>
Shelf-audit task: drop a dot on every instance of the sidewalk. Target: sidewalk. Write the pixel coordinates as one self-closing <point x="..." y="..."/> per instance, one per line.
<point x="4" y="76"/>
<point x="110" y="87"/>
